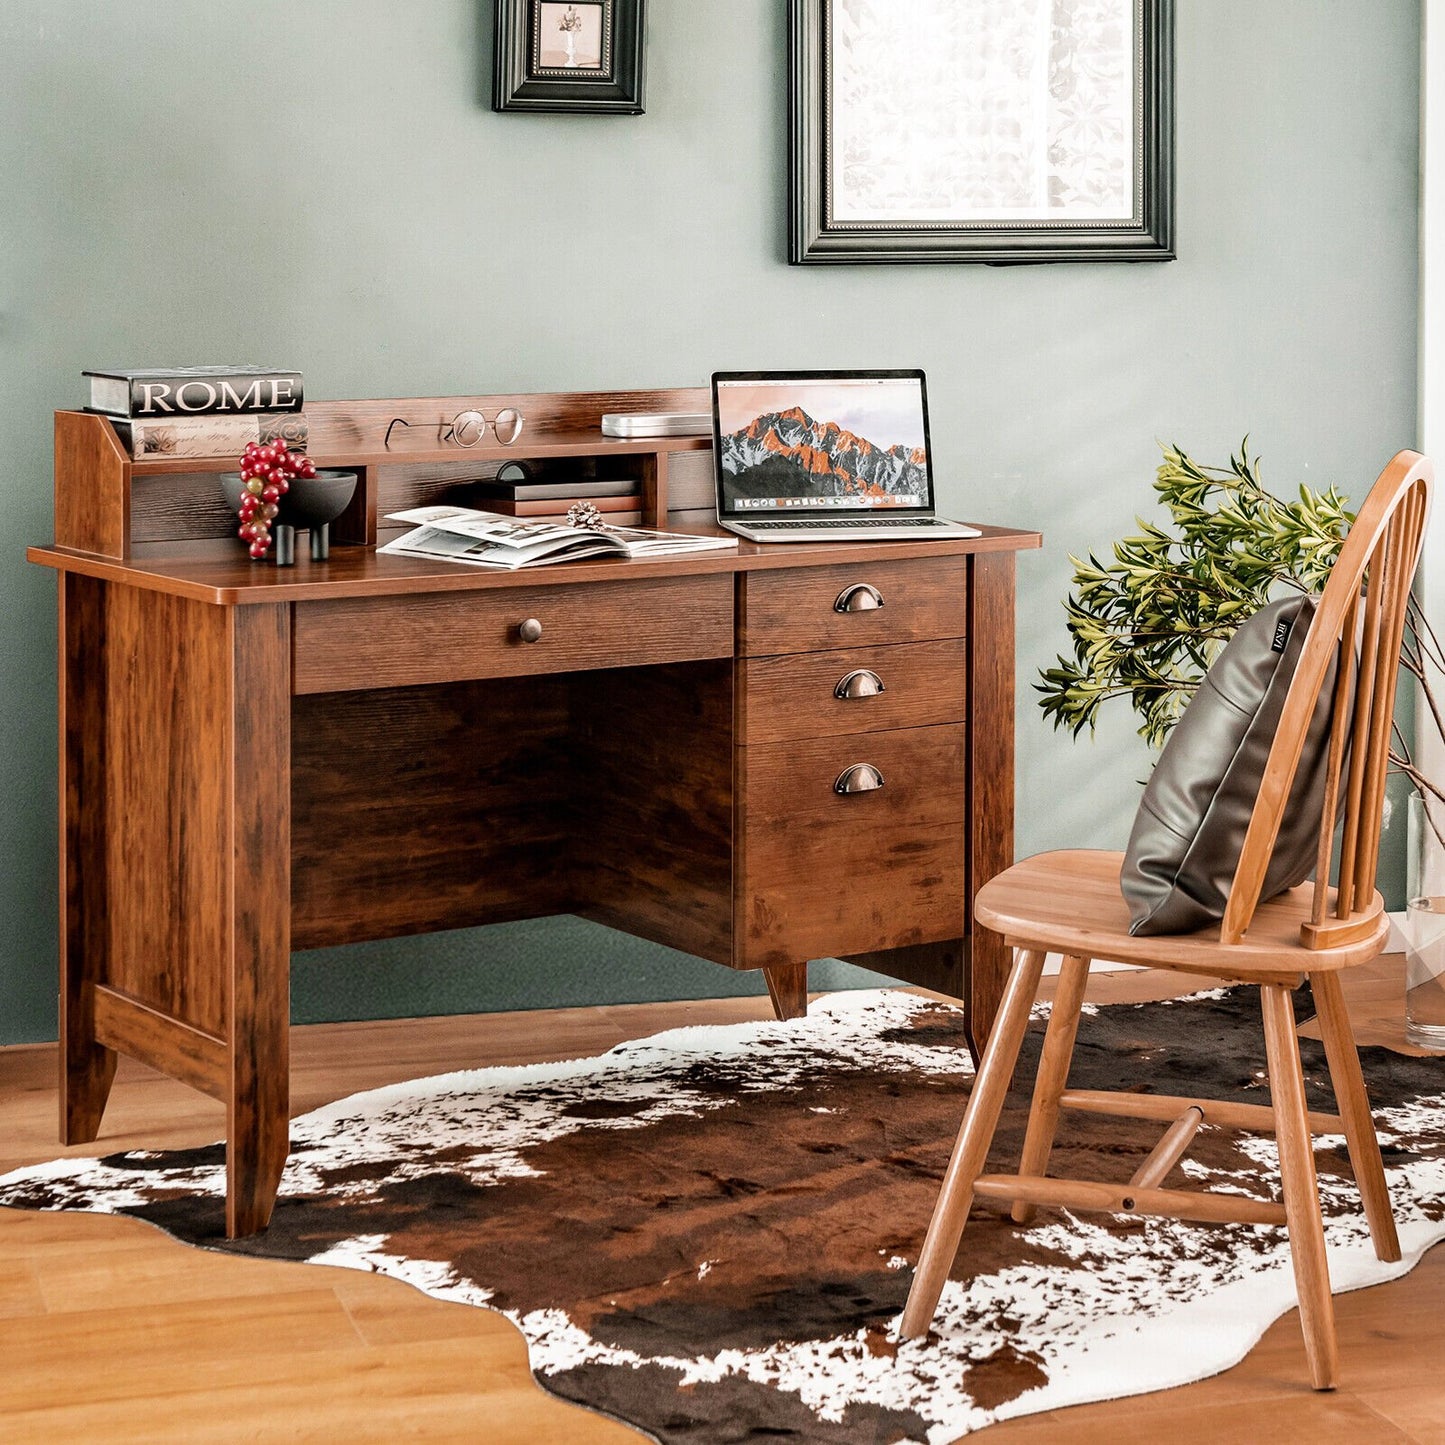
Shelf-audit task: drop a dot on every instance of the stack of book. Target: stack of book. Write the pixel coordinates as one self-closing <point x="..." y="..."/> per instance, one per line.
<point x="619" y="499"/>
<point x="200" y="411"/>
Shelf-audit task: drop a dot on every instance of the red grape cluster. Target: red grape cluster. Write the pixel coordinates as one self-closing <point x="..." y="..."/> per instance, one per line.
<point x="267" y="472"/>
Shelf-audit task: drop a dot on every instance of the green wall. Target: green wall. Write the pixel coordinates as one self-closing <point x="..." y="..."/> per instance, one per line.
<point x="323" y="183"/>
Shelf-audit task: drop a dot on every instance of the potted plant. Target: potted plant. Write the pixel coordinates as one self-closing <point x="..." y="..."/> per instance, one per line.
<point x="1146" y="624"/>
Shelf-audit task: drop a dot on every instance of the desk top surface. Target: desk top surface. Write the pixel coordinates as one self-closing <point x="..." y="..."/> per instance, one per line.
<point x="218" y="571"/>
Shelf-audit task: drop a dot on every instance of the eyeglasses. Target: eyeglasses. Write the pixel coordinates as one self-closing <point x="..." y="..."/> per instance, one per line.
<point x="467" y="428"/>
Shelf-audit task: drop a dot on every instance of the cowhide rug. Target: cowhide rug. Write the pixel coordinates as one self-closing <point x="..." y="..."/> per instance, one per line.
<point x="710" y="1233"/>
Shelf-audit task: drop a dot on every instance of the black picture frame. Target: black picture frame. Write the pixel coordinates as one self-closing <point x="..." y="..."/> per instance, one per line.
<point x="531" y="73"/>
<point x="816" y="236"/>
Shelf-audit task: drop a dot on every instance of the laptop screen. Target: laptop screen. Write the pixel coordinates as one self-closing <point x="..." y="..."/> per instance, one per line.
<point x="829" y="443"/>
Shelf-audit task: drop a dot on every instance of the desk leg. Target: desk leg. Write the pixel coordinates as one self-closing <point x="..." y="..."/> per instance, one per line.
<point x="788" y="989"/>
<point x="990" y="774"/>
<point x="258" y="894"/>
<point x="86" y="1066"/>
<point x="987" y="970"/>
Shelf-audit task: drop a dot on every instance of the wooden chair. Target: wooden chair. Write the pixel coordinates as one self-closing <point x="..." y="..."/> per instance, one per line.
<point x="1070" y="903"/>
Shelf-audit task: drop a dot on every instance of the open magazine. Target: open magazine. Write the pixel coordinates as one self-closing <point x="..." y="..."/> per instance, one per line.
<point x="484" y="539"/>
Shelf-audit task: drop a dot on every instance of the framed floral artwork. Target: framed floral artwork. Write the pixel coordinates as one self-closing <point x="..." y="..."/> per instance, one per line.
<point x="561" y="55"/>
<point x="1001" y="131"/>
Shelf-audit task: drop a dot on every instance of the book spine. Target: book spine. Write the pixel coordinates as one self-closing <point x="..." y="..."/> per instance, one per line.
<point x="156" y="397"/>
<point x="571" y="491"/>
<point x="212" y="436"/>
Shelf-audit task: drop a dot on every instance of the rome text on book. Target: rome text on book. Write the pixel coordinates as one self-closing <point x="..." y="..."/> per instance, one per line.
<point x="194" y="390"/>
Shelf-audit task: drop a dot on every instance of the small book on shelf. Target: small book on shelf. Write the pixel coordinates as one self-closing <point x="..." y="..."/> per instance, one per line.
<point x="171" y="391"/>
<point x="579" y="489"/>
<point x="487" y="539"/>
<point x="210" y="436"/>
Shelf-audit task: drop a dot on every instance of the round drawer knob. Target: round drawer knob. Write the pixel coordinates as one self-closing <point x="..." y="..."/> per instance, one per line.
<point x="860" y="778"/>
<point x="860" y="597"/>
<point x="530" y="630"/>
<point x="860" y="683"/>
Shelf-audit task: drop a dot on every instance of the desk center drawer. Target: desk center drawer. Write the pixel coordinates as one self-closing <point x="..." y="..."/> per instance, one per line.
<point x="507" y="631"/>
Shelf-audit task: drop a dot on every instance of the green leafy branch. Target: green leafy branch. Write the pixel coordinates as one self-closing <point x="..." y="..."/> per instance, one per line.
<point x="1146" y="624"/>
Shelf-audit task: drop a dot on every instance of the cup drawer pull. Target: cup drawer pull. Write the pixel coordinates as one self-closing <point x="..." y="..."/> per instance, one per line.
<point x="860" y="778"/>
<point x="860" y="597"/>
<point x="859" y="683"/>
<point x="530" y="630"/>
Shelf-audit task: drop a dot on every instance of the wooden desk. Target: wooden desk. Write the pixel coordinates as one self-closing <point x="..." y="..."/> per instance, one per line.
<point x="256" y="759"/>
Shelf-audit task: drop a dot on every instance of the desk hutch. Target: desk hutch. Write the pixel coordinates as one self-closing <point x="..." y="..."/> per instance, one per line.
<point x="257" y="759"/>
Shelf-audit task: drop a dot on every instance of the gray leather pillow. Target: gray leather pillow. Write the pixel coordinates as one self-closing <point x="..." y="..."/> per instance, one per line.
<point x="1191" y="823"/>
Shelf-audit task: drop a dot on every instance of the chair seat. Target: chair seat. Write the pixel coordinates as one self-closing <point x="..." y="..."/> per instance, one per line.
<point x="1070" y="902"/>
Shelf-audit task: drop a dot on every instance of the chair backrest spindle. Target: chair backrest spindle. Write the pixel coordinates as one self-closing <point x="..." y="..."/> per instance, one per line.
<point x="1399" y="573"/>
<point x="1334" y="763"/>
<point x="1357" y="873"/>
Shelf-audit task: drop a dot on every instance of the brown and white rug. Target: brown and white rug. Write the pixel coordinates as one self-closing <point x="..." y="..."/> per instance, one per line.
<point x="710" y="1233"/>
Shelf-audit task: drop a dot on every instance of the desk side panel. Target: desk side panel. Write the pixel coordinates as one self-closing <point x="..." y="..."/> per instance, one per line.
<point x="92" y="486"/>
<point x="168" y="685"/>
<point x="176" y="718"/>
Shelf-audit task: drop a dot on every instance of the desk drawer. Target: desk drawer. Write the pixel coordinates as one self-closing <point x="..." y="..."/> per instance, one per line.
<point x="825" y="873"/>
<point x="852" y="690"/>
<point x="370" y="642"/>
<point x="805" y="609"/>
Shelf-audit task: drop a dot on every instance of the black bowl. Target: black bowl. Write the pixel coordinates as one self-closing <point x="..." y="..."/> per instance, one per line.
<point x="311" y="501"/>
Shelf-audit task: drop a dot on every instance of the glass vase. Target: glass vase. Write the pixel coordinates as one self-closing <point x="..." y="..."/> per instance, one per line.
<point x="1425" y="926"/>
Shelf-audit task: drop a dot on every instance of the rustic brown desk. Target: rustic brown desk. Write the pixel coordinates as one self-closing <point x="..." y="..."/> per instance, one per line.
<point x="255" y="759"/>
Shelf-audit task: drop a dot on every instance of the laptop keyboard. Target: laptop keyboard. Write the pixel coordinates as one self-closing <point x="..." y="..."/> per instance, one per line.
<point x="849" y="522"/>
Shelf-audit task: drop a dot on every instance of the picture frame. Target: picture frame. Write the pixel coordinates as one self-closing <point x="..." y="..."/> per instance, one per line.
<point x="583" y="56"/>
<point x="1019" y="149"/>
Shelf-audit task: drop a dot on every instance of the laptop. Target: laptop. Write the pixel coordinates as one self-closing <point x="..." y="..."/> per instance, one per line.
<point x="825" y="456"/>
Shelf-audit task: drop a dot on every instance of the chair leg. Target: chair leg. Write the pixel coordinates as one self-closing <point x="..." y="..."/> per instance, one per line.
<point x="1053" y="1075"/>
<point x="970" y="1150"/>
<point x="1354" y="1108"/>
<point x="1301" y="1189"/>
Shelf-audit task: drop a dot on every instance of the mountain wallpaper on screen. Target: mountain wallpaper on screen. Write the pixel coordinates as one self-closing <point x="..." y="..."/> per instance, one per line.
<point x="788" y="454"/>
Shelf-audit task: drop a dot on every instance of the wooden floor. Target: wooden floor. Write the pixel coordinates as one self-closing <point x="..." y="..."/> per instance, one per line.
<point x="111" y="1332"/>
